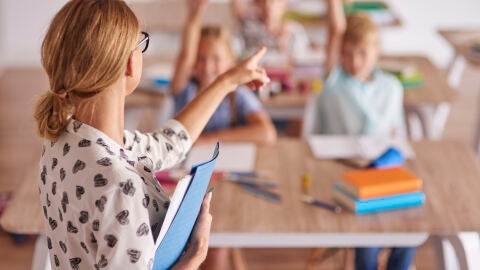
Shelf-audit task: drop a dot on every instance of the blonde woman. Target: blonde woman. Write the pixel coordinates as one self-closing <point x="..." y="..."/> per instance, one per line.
<point x="102" y="206"/>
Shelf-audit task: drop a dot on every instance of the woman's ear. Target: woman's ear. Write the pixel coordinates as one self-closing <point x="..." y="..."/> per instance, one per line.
<point x="130" y="66"/>
<point x="133" y="72"/>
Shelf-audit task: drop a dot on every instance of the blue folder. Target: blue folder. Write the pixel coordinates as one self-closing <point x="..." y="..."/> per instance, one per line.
<point x="177" y="236"/>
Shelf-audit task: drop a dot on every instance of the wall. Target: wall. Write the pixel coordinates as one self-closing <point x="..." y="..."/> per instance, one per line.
<point x="23" y="25"/>
<point x="421" y="20"/>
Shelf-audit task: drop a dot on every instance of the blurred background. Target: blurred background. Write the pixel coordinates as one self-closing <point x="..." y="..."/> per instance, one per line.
<point x="416" y="30"/>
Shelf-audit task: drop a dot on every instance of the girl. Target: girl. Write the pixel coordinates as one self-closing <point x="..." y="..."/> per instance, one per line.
<point x="205" y="54"/>
<point x="102" y="206"/>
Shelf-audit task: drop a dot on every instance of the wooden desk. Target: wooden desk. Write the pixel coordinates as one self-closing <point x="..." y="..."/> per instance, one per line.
<point x="449" y="170"/>
<point x="461" y="40"/>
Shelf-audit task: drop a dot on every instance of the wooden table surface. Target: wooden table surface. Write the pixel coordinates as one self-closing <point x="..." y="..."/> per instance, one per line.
<point x="461" y="40"/>
<point x="449" y="170"/>
<point x="435" y="88"/>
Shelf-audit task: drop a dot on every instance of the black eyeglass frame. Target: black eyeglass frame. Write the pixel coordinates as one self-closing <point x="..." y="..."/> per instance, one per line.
<point x="146" y="40"/>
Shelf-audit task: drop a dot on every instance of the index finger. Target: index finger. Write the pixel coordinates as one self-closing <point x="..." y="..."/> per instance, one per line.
<point x="252" y="61"/>
<point x="206" y="203"/>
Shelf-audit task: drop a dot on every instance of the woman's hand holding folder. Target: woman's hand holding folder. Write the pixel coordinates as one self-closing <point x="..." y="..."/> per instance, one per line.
<point x="197" y="248"/>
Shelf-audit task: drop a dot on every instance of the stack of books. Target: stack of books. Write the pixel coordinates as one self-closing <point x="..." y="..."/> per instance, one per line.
<point x="374" y="190"/>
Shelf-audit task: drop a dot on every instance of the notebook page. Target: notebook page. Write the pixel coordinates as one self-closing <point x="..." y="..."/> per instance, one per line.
<point x="175" y="202"/>
<point x="372" y="147"/>
<point x="330" y="147"/>
<point x="237" y="157"/>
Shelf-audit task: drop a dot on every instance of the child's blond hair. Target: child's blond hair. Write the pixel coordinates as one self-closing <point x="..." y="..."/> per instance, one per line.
<point x="219" y="33"/>
<point x="361" y="28"/>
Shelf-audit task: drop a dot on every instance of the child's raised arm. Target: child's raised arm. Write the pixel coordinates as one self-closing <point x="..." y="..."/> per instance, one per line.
<point x="239" y="9"/>
<point x="336" y="24"/>
<point x="190" y="38"/>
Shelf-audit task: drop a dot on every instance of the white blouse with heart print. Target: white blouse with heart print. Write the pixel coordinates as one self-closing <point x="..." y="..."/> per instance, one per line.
<point x="102" y="205"/>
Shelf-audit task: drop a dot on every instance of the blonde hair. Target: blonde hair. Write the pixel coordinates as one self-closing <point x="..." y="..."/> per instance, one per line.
<point x="85" y="50"/>
<point x="219" y="33"/>
<point x="360" y="28"/>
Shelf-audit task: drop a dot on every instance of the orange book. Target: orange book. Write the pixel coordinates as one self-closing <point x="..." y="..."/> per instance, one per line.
<point x="372" y="183"/>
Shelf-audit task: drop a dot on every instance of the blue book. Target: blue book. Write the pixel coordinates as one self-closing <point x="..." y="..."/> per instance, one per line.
<point x="402" y="200"/>
<point x="188" y="197"/>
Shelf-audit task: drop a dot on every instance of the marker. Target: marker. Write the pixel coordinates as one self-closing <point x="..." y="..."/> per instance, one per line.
<point x="306" y="183"/>
<point x="262" y="193"/>
<point x="251" y="182"/>
<point x="210" y="189"/>
<point x="310" y="200"/>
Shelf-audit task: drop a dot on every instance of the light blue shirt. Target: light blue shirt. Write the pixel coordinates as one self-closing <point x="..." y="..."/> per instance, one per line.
<point x="348" y="106"/>
<point x="245" y="103"/>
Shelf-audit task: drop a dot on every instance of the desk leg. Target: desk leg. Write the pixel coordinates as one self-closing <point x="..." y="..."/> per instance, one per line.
<point x="432" y="119"/>
<point x="476" y="139"/>
<point x="457" y="251"/>
<point x="41" y="260"/>
<point x="455" y="70"/>
<point x="414" y="125"/>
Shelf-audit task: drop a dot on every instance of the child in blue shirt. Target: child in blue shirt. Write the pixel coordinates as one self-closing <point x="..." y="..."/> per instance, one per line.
<point x="205" y="54"/>
<point x="359" y="99"/>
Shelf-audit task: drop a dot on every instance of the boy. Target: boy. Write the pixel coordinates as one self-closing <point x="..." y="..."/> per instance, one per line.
<point x="359" y="99"/>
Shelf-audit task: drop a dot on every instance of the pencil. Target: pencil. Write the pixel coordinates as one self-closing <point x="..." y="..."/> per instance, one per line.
<point x="313" y="201"/>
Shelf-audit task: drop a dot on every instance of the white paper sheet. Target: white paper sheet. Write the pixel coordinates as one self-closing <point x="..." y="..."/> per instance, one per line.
<point x="175" y="202"/>
<point x="233" y="157"/>
<point x="331" y="147"/>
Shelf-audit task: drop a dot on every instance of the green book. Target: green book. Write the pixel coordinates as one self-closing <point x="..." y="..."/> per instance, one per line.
<point x="413" y="80"/>
<point x="364" y="6"/>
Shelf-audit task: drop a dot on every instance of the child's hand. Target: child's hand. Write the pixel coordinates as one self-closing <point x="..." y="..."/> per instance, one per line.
<point x="196" y="7"/>
<point x="248" y="73"/>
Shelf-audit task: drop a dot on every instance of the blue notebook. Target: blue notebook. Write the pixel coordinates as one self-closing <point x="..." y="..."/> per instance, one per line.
<point x="378" y="204"/>
<point x="172" y="245"/>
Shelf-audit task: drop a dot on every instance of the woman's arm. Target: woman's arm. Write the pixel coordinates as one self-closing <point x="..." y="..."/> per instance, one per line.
<point x="196" y="114"/>
<point x="336" y="28"/>
<point x="258" y="129"/>
<point x="188" y="52"/>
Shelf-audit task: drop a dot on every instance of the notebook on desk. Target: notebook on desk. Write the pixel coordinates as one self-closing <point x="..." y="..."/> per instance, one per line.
<point x="230" y="160"/>
<point x="182" y="214"/>
<point x="332" y="147"/>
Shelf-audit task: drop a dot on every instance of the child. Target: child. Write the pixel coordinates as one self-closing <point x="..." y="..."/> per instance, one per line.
<point x="359" y="99"/>
<point x="263" y="25"/>
<point x="205" y="54"/>
<point x="102" y="206"/>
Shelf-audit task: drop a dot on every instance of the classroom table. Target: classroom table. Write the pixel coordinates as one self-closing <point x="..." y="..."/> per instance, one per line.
<point x="430" y="103"/>
<point x="449" y="170"/>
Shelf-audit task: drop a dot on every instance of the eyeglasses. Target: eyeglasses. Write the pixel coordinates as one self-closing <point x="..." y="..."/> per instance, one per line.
<point x="143" y="44"/>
